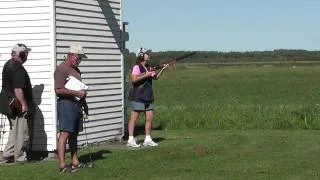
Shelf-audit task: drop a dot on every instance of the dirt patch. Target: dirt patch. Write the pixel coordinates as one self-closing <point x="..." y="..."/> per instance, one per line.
<point x="201" y="151"/>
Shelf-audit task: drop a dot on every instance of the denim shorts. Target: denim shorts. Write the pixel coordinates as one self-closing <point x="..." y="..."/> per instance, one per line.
<point x="140" y="106"/>
<point x="70" y="116"/>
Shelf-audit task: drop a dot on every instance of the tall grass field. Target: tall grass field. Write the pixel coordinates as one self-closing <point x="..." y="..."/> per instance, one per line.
<point x="239" y="98"/>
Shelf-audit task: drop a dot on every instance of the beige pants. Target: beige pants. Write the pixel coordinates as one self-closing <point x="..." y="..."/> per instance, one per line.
<point x="18" y="140"/>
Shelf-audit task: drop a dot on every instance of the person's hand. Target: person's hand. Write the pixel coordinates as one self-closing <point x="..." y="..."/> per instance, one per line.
<point x="24" y="108"/>
<point x="86" y="110"/>
<point x="165" y="66"/>
<point x="82" y="93"/>
<point x="150" y="73"/>
<point x="85" y="117"/>
<point x="153" y="73"/>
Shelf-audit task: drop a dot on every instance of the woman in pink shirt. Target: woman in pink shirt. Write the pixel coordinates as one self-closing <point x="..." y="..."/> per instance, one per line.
<point x="141" y="96"/>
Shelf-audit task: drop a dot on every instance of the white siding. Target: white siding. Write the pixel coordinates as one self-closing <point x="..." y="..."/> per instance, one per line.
<point x="31" y="22"/>
<point x="96" y="25"/>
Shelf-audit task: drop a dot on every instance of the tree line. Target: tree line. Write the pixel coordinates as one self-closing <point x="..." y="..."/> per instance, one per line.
<point x="279" y="55"/>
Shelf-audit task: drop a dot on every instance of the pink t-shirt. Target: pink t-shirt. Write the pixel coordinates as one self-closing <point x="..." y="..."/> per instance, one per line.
<point x="136" y="70"/>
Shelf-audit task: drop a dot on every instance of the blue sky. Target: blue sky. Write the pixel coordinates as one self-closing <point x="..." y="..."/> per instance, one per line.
<point x="222" y="25"/>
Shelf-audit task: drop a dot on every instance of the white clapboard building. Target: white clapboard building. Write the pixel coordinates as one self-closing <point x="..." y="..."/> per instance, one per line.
<point x="49" y="27"/>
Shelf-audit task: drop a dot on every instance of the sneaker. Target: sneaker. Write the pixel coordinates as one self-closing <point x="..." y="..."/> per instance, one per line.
<point x="6" y="160"/>
<point x="21" y="161"/>
<point x="149" y="143"/>
<point x="133" y="143"/>
<point x="22" y="158"/>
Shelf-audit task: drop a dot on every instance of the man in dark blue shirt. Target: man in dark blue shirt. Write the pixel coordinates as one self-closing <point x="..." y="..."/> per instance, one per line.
<point x="16" y="84"/>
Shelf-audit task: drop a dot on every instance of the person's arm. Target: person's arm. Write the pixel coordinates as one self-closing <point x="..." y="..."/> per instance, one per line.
<point x="60" y="90"/>
<point x="20" y="96"/>
<point x="85" y="109"/>
<point x="137" y="76"/>
<point x="158" y="74"/>
<point x="19" y="83"/>
<point x="67" y="92"/>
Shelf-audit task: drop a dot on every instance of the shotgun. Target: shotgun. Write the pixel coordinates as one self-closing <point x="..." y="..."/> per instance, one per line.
<point x="174" y="61"/>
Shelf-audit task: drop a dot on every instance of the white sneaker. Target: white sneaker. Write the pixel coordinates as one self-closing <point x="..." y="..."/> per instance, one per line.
<point x="133" y="143"/>
<point x="149" y="143"/>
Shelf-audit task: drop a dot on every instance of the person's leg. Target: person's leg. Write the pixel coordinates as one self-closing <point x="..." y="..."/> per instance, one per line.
<point x="64" y="109"/>
<point x="132" y="123"/>
<point x="148" y="127"/>
<point x="8" y="151"/>
<point x="149" y="118"/>
<point x="22" y="139"/>
<point x="76" y="125"/>
<point x="73" y="148"/>
<point x="63" y="137"/>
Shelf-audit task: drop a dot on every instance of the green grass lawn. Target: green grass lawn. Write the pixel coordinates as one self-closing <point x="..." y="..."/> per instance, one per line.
<point x="228" y="123"/>
<point x="197" y="154"/>
<point x="239" y="98"/>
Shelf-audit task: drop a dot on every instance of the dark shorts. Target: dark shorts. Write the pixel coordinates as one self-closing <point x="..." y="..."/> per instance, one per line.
<point x="139" y="106"/>
<point x="70" y="116"/>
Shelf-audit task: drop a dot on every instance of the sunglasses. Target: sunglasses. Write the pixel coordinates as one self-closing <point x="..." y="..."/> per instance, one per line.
<point x="78" y="60"/>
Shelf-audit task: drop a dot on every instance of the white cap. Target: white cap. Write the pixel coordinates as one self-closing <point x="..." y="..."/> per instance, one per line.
<point x="142" y="51"/>
<point x="20" y="48"/>
<point x="77" y="49"/>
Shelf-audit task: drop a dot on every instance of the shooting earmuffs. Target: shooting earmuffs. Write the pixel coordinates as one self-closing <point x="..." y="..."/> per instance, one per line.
<point x="141" y="54"/>
<point x="22" y="54"/>
<point x="142" y="51"/>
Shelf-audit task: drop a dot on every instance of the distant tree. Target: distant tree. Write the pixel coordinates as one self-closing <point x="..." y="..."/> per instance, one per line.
<point x="279" y="55"/>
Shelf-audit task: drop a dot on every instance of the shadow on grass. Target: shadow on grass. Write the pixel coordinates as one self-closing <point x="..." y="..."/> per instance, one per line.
<point x="158" y="139"/>
<point x="38" y="156"/>
<point x="94" y="156"/>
